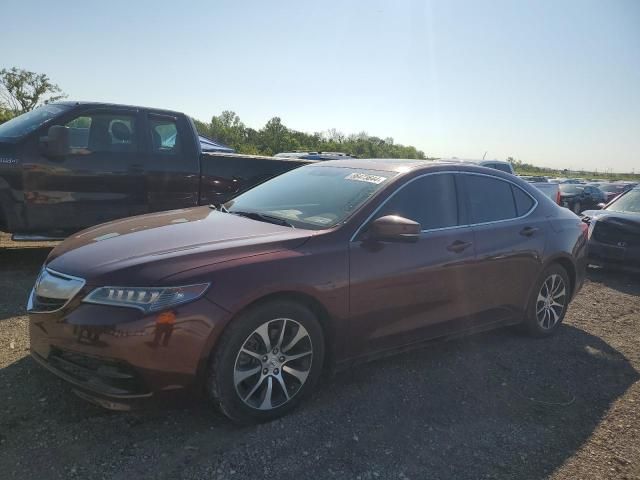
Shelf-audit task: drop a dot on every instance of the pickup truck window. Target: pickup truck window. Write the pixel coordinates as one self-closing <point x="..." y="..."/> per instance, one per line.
<point x="28" y="122"/>
<point x="102" y="132"/>
<point x="164" y="135"/>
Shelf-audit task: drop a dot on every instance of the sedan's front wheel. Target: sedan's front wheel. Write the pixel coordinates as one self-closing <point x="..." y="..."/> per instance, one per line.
<point x="266" y="362"/>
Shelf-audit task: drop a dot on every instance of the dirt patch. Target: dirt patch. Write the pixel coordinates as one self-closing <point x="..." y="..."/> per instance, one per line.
<point x="496" y="405"/>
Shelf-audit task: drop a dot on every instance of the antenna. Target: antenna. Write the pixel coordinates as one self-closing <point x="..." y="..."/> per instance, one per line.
<point x="485" y="154"/>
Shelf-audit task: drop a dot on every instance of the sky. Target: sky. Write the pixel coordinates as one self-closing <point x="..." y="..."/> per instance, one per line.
<point x="553" y="83"/>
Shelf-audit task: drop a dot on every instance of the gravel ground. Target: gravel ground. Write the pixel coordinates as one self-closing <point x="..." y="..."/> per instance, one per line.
<point x="495" y="405"/>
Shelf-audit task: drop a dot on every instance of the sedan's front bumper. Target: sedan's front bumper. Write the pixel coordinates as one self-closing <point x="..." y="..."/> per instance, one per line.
<point x="115" y="355"/>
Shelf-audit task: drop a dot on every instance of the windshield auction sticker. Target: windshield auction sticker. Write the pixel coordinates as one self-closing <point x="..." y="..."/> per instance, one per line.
<point x="363" y="177"/>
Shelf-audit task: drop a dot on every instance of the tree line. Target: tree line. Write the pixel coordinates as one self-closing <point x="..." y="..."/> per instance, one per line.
<point x="275" y="137"/>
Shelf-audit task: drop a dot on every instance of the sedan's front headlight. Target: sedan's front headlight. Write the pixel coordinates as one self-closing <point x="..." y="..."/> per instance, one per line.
<point x="147" y="299"/>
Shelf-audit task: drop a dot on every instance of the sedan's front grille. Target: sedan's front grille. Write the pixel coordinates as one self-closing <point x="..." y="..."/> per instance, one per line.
<point x="617" y="232"/>
<point x="53" y="290"/>
<point x="46" y="304"/>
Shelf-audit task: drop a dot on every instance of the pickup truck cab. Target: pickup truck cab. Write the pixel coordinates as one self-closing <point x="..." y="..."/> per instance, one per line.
<point x="70" y="165"/>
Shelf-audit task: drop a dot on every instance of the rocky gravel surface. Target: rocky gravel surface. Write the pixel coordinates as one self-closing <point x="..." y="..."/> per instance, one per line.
<point x="497" y="405"/>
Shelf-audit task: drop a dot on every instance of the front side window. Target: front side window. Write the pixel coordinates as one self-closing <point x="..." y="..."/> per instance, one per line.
<point x="164" y="135"/>
<point x="102" y="132"/>
<point x="490" y="199"/>
<point x="430" y="200"/>
<point x="312" y="197"/>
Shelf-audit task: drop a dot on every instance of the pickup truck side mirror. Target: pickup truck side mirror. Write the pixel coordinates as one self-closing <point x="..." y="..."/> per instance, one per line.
<point x="393" y="228"/>
<point x="57" y="141"/>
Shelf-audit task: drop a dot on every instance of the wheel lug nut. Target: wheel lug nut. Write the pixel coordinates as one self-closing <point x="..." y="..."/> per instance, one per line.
<point x="281" y="359"/>
<point x="276" y="371"/>
<point x="264" y="359"/>
<point x="275" y="350"/>
<point x="265" y="371"/>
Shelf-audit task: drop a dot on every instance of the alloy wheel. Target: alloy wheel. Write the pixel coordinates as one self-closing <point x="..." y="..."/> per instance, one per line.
<point x="551" y="301"/>
<point x="273" y="364"/>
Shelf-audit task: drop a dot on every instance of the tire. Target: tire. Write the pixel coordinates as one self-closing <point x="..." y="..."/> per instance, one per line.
<point x="251" y="383"/>
<point x="544" y="316"/>
<point x="577" y="208"/>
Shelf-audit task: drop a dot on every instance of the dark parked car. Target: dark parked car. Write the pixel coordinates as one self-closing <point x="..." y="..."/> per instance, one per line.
<point x="580" y="197"/>
<point x="323" y="265"/>
<point x="614" y="233"/>
<point x="612" y="190"/>
<point x="69" y="165"/>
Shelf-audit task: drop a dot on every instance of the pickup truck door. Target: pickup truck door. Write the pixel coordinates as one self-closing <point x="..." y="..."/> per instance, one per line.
<point x="100" y="179"/>
<point x="172" y="162"/>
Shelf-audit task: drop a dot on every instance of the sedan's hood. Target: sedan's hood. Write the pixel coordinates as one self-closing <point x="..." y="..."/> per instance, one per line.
<point x="145" y="249"/>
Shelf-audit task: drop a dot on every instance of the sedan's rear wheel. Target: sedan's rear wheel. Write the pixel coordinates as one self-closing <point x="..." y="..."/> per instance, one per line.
<point x="549" y="302"/>
<point x="268" y="359"/>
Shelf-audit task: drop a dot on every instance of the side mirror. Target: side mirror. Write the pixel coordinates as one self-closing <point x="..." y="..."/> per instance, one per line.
<point x="600" y="206"/>
<point x="393" y="228"/>
<point x="57" y="141"/>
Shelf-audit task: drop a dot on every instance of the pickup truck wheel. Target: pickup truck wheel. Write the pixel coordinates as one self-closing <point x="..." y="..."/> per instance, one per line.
<point x="577" y="208"/>
<point x="548" y="303"/>
<point x="267" y="361"/>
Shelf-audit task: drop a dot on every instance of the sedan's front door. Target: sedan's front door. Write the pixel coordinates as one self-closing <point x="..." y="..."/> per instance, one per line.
<point x="401" y="293"/>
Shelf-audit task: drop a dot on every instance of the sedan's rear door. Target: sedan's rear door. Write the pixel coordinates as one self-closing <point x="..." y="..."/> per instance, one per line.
<point x="509" y="237"/>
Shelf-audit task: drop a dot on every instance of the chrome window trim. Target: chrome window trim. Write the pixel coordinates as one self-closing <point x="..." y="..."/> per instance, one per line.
<point x="54" y="273"/>
<point x="466" y="225"/>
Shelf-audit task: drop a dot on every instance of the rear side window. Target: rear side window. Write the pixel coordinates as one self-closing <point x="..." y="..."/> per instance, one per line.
<point x="430" y="201"/>
<point x="524" y="202"/>
<point x="490" y="199"/>
<point x="165" y="137"/>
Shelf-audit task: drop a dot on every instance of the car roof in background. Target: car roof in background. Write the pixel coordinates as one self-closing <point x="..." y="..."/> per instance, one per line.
<point x="403" y="165"/>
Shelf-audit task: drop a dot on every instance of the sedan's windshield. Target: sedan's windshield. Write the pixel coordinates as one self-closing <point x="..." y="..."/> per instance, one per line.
<point x="629" y="202"/>
<point x="28" y="122"/>
<point x="311" y="197"/>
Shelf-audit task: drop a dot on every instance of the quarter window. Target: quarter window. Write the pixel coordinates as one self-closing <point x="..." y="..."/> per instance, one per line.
<point x="430" y="201"/>
<point x="490" y="199"/>
<point x="524" y="202"/>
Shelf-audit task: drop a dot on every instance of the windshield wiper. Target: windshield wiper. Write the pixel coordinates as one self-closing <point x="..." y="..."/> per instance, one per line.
<point x="263" y="217"/>
<point x="219" y="207"/>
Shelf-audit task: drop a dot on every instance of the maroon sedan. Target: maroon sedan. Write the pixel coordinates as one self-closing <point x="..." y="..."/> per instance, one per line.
<point x="319" y="267"/>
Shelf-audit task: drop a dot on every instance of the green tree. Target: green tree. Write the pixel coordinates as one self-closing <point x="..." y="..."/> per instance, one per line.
<point x="22" y="90"/>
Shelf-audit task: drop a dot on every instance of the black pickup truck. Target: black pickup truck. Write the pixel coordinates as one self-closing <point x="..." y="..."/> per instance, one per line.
<point x="69" y="165"/>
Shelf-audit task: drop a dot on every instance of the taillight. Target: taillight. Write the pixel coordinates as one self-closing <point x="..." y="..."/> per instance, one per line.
<point x="558" y="197"/>
<point x="585" y="230"/>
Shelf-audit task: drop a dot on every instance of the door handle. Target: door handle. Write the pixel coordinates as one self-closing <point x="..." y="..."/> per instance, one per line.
<point x="528" y="231"/>
<point x="458" y="246"/>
